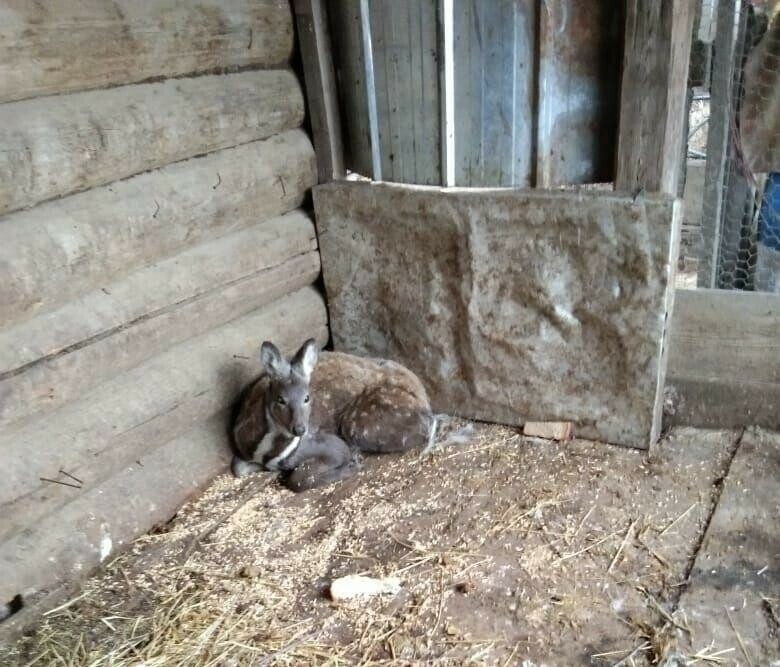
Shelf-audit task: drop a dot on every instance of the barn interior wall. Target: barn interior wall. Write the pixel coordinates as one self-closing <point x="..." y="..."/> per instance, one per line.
<point x="152" y="173"/>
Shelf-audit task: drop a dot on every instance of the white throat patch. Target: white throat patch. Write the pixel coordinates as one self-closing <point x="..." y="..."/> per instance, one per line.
<point x="273" y="464"/>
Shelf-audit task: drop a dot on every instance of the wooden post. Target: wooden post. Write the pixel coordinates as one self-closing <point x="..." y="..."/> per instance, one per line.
<point x="652" y="101"/>
<point x="321" y="91"/>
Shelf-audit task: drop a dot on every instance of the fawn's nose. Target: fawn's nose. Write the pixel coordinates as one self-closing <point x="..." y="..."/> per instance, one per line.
<point x="299" y="430"/>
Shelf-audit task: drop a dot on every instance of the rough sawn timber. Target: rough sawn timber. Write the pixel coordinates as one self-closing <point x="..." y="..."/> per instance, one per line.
<point x="653" y="93"/>
<point x="52" y="148"/>
<point x="320" y="78"/>
<point x="724" y="359"/>
<point x="69" y="45"/>
<point x="511" y="306"/>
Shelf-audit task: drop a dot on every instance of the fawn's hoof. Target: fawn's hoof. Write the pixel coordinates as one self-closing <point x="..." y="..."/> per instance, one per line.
<point x="241" y="468"/>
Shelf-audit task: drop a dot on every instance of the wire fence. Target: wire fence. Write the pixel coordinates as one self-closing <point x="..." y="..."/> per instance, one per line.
<point x="731" y="233"/>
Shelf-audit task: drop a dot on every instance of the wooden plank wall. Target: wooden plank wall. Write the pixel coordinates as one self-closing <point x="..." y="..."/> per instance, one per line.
<point x="405" y="44"/>
<point x="536" y="89"/>
<point x="151" y="235"/>
<point x="494" y="60"/>
<point x="316" y="50"/>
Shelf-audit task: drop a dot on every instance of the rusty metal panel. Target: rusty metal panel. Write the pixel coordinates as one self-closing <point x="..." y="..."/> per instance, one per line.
<point x="494" y="57"/>
<point x="580" y="51"/>
<point x="344" y="16"/>
<point x="404" y="34"/>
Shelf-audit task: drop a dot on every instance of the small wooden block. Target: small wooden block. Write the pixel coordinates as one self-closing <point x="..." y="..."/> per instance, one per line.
<point x="549" y="430"/>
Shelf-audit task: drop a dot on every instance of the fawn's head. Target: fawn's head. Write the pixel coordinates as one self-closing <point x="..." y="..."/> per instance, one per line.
<point x="288" y="402"/>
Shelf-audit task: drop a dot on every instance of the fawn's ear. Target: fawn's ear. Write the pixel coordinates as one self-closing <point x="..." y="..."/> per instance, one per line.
<point x="305" y="359"/>
<point x="275" y="364"/>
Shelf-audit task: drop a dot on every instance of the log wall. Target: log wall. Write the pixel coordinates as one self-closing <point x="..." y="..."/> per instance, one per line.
<point x="153" y="171"/>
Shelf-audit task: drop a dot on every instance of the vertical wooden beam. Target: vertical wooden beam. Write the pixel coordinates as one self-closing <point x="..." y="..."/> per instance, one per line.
<point x="653" y="93"/>
<point x="321" y="91"/>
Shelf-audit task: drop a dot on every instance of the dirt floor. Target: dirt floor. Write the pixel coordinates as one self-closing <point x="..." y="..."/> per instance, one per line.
<point x="510" y="550"/>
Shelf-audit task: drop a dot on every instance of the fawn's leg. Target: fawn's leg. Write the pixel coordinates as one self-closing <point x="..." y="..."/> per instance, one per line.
<point x="314" y="472"/>
<point x="241" y="468"/>
<point x="385" y="419"/>
<point x="319" y="459"/>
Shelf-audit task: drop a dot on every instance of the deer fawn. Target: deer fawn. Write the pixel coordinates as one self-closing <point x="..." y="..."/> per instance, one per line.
<point x="312" y="416"/>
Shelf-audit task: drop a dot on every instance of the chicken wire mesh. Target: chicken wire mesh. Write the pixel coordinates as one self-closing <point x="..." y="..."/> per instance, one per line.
<point x="732" y="224"/>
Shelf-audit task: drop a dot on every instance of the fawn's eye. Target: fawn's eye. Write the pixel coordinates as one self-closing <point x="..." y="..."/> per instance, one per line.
<point x="306" y="400"/>
<point x="281" y="401"/>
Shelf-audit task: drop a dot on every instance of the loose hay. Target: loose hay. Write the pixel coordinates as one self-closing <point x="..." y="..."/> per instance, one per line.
<point x="501" y="543"/>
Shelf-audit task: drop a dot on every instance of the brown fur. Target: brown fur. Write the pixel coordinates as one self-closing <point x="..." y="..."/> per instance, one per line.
<point x="375" y="405"/>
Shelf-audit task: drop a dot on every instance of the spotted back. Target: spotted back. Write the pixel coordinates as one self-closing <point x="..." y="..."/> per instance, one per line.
<point x="376" y="405"/>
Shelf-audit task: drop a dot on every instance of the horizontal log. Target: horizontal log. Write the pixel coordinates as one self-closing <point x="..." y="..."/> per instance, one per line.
<point x="116" y="423"/>
<point x="54" y="381"/>
<point x="52" y="148"/>
<point x="73" y="541"/>
<point x="724" y="359"/>
<point x="48" y="48"/>
<point x="61" y="377"/>
<point x="156" y="289"/>
<point x="56" y="251"/>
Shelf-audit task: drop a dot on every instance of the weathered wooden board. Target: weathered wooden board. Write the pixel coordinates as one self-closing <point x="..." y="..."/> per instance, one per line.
<point x="320" y="79"/>
<point x="110" y="426"/>
<point x="653" y="93"/>
<point x="156" y="288"/>
<point x="57" y="379"/>
<point x="578" y="84"/>
<point x="58" y="250"/>
<point x="724" y="359"/>
<point x="344" y="19"/>
<point x="67" y="545"/>
<point x="89" y="139"/>
<point x="512" y="306"/>
<point x="66" y="372"/>
<point x="70" y="45"/>
<point x="730" y="599"/>
<point x="494" y="80"/>
<point x="405" y="43"/>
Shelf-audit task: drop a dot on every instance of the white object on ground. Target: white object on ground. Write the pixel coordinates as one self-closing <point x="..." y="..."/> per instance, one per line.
<point x="355" y="585"/>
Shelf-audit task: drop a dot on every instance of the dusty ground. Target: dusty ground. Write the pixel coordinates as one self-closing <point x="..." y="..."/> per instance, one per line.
<point x="512" y="551"/>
